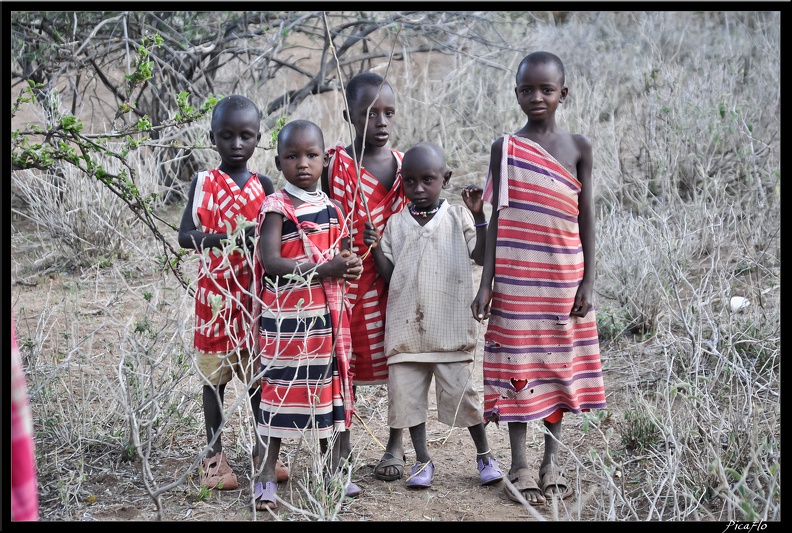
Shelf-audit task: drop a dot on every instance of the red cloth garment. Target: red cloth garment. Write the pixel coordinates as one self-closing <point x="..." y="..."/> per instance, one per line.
<point x="218" y="207"/>
<point x="538" y="359"/>
<point x="304" y="327"/>
<point x="24" y="483"/>
<point x="368" y="296"/>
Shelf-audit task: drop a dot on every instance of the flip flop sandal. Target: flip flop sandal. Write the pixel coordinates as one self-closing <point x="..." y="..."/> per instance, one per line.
<point x="388" y="459"/>
<point x="353" y="490"/>
<point x="265" y="495"/>
<point x="552" y="477"/>
<point x="522" y="480"/>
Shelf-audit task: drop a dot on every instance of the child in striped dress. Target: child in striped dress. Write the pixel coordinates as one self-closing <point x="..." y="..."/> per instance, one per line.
<point x="304" y="342"/>
<point x="541" y="348"/>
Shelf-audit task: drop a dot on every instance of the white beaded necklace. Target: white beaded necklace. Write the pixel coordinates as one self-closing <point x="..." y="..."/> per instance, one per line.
<point x="416" y="213"/>
<point x="309" y="197"/>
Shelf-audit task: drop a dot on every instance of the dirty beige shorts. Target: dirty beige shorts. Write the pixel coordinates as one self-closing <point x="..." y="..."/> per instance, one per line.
<point x="219" y="369"/>
<point x="458" y="403"/>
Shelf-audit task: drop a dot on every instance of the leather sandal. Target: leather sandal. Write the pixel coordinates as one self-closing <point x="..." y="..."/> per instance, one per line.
<point x="281" y="471"/>
<point x="216" y="473"/>
<point x="388" y="459"/>
<point x="554" y="484"/>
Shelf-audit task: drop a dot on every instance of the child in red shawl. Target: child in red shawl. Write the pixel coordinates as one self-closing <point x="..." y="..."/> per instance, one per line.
<point x="365" y="178"/>
<point x="219" y="200"/>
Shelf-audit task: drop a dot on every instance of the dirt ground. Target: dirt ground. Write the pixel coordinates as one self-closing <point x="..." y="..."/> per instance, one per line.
<point x="112" y="490"/>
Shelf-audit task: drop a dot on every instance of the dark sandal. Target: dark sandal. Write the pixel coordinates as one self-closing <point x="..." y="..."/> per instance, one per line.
<point x="388" y="459"/>
<point x="551" y="477"/>
<point x="522" y="480"/>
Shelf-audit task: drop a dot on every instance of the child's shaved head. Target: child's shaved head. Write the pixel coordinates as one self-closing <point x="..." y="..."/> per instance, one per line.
<point x="426" y="154"/>
<point x="542" y="58"/>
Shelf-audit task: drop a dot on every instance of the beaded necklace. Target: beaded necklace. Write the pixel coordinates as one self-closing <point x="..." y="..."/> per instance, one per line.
<point x="416" y="213"/>
<point x="309" y="197"/>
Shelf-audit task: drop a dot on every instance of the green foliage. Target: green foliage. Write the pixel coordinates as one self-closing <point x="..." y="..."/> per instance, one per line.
<point x="203" y="494"/>
<point x="639" y="430"/>
<point x="597" y="417"/>
<point x="274" y="133"/>
<point x="128" y="452"/>
<point x="611" y="322"/>
<point x="144" y="124"/>
<point x="187" y="113"/>
<point x="143" y="67"/>
<point x="64" y="143"/>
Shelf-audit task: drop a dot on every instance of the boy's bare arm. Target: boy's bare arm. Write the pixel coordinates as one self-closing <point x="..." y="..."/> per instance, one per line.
<point x="481" y="303"/>
<point x="345" y="265"/>
<point x="266" y="184"/>
<point x="583" y="298"/>
<point x="191" y="237"/>
<point x="472" y="196"/>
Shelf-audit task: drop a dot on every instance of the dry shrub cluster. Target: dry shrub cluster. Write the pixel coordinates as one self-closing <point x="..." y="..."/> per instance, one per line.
<point x="683" y="110"/>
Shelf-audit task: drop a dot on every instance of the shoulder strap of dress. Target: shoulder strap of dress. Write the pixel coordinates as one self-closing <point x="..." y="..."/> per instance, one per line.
<point x="331" y="155"/>
<point x="399" y="156"/>
<point x="200" y="177"/>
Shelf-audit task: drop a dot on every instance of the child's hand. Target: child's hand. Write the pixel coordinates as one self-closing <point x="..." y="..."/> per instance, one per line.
<point x="248" y="238"/>
<point x="582" y="304"/>
<point x="354" y="265"/>
<point x="472" y="198"/>
<point x="370" y="235"/>
<point x="481" y="304"/>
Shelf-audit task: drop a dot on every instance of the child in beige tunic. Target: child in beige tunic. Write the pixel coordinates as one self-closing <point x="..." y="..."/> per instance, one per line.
<point x="425" y="255"/>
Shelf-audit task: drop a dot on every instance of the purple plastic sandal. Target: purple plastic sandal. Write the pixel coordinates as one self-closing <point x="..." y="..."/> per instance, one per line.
<point x="489" y="473"/>
<point x="262" y="494"/>
<point x="352" y="490"/>
<point x="421" y="476"/>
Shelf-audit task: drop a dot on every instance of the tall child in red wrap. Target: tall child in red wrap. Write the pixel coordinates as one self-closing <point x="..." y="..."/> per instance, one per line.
<point x="218" y="200"/>
<point x="541" y="349"/>
<point x="303" y="254"/>
<point x="365" y="178"/>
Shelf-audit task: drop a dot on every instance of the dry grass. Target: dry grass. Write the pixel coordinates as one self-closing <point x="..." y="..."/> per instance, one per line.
<point x="683" y="112"/>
